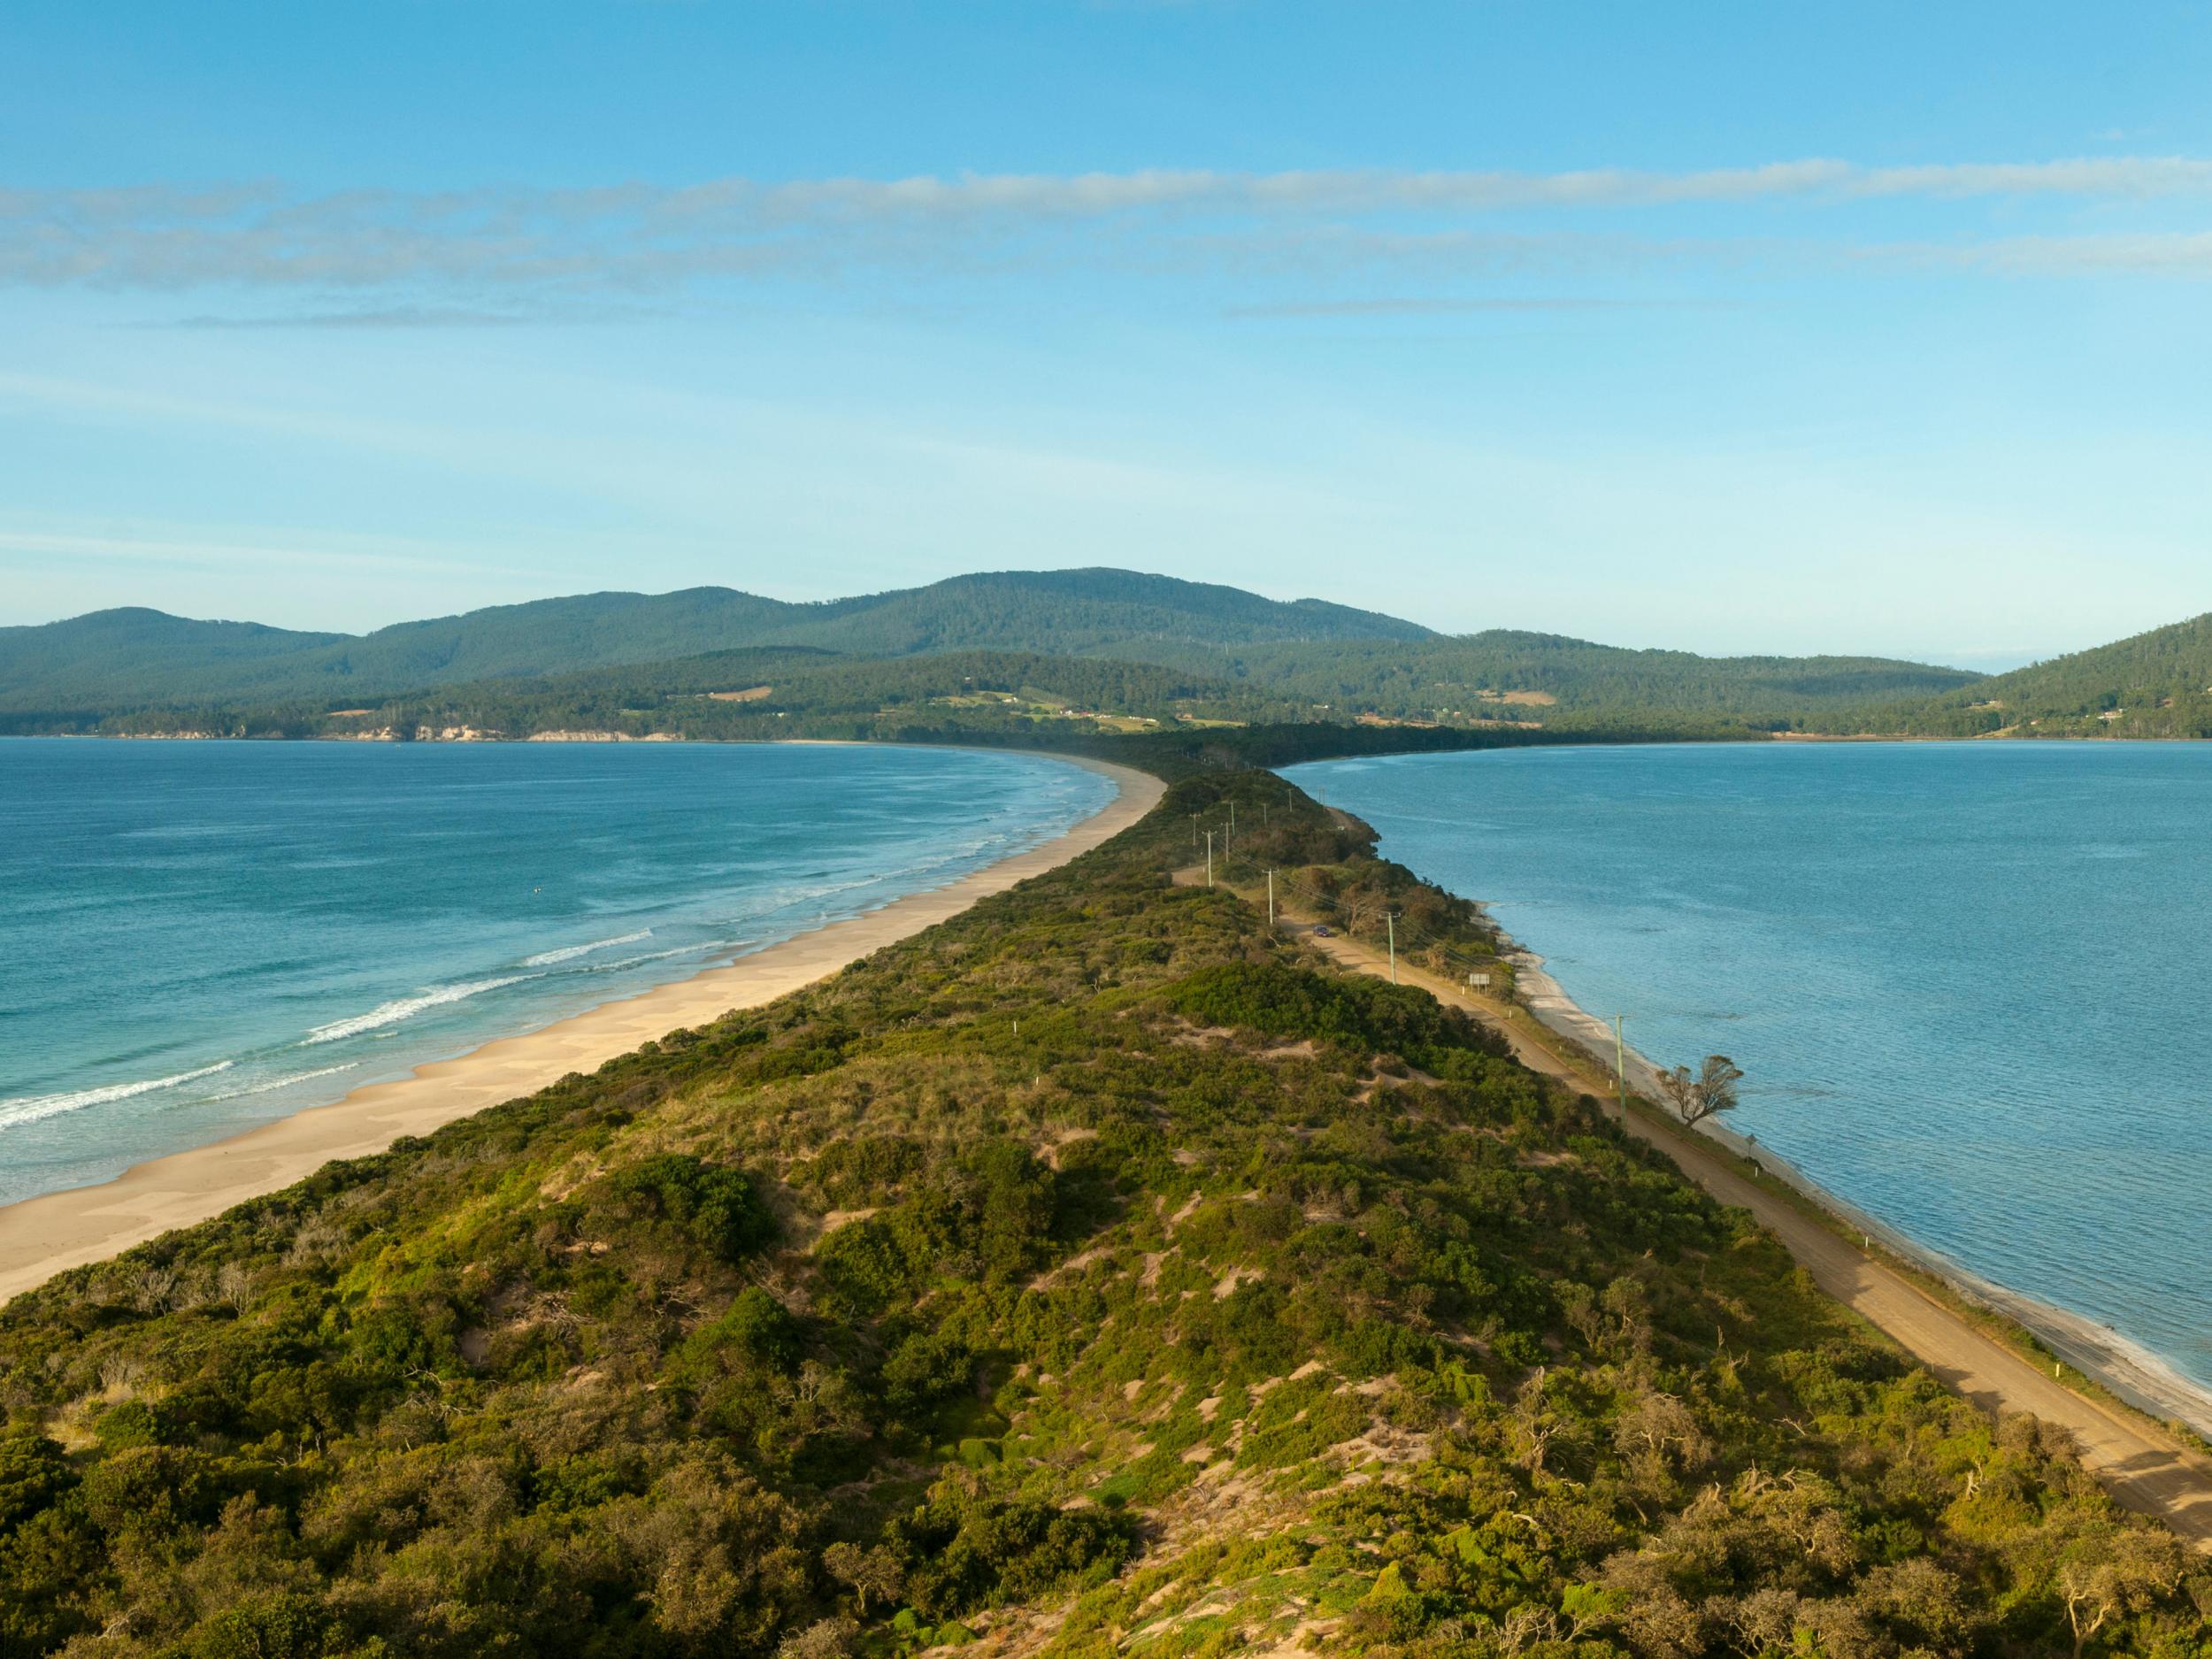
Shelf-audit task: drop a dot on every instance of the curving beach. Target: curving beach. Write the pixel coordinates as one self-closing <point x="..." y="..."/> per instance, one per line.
<point x="42" y="1236"/>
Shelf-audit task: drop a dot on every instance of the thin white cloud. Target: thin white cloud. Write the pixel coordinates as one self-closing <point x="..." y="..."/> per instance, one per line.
<point x="643" y="237"/>
<point x="1421" y="305"/>
<point x="2168" y="254"/>
<point x="2112" y="176"/>
<point x="2182" y="254"/>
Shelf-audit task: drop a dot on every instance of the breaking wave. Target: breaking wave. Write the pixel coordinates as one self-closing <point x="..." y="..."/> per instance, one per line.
<point x="569" y="953"/>
<point x="32" y="1107"/>
<point x="283" y="1082"/>
<point x="407" y="1007"/>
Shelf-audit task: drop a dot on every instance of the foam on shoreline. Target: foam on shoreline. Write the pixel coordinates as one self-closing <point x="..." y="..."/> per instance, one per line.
<point x="33" y="1108"/>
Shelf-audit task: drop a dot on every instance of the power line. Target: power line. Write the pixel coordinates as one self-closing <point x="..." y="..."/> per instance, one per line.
<point x="1416" y="936"/>
<point x="1475" y="966"/>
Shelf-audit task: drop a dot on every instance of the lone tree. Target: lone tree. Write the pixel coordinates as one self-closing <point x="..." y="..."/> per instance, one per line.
<point x="1706" y="1094"/>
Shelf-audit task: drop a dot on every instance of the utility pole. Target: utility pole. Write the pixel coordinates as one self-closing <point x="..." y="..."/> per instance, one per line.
<point x="1194" y="829"/>
<point x="1209" y="858"/>
<point x="1620" y="1064"/>
<point x="1271" y="898"/>
<point x="1392" y="919"/>
<point x="1232" y="815"/>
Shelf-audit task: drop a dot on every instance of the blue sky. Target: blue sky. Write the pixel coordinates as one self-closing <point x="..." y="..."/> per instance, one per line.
<point x="1732" y="328"/>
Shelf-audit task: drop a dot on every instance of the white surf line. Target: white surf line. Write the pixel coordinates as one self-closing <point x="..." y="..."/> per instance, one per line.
<point x="407" y="1007"/>
<point x="33" y="1108"/>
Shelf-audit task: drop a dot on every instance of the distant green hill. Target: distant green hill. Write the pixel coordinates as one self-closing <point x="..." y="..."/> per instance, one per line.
<point x="2157" y="684"/>
<point x="1074" y="613"/>
<point x="1548" y="677"/>
<point x="1234" y="655"/>
<point x="132" y="654"/>
<point x="123" y="660"/>
<point x="115" y="659"/>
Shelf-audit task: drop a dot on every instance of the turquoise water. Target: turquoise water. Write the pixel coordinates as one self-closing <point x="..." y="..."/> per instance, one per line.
<point x="195" y="937"/>
<point x="1972" y="984"/>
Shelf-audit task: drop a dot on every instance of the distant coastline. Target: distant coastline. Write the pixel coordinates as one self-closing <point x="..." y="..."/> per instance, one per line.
<point x="1481" y="735"/>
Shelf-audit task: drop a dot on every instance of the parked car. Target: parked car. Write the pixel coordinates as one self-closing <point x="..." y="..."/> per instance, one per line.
<point x="1322" y="932"/>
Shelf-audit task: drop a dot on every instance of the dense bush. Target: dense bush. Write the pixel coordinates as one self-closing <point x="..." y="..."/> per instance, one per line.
<point x="713" y="1208"/>
<point x="1098" y="1269"/>
<point x="1366" y="1014"/>
<point x="967" y="1552"/>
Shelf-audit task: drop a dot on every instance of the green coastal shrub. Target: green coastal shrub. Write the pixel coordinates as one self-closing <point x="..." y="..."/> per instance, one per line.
<point x="756" y="1331"/>
<point x="966" y="1553"/>
<point x="1286" y="1002"/>
<point x="862" y="1171"/>
<point x="711" y="1206"/>
<point x="1168" y="1293"/>
<point x="926" y="1367"/>
<point x="34" y="1474"/>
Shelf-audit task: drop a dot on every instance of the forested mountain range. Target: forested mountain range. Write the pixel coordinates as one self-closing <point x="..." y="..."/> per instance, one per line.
<point x="1117" y="641"/>
<point x="1230" y="654"/>
<point x="134" y="658"/>
<point x="1099" y="1273"/>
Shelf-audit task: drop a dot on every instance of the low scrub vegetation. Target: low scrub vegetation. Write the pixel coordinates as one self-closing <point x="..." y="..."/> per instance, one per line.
<point x="1095" y="1274"/>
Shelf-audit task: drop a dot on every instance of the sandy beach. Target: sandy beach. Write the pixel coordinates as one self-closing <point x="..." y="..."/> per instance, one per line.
<point x="42" y="1236"/>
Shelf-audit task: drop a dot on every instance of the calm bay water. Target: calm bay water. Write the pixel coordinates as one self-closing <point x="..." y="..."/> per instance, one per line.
<point x="195" y="937"/>
<point x="1972" y="984"/>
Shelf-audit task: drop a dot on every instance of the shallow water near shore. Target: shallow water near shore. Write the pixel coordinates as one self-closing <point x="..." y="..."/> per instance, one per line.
<point x="197" y="937"/>
<point x="1972" y="984"/>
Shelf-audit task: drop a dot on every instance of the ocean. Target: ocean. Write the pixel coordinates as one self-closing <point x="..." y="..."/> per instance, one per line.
<point x="197" y="937"/>
<point x="1971" y="984"/>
